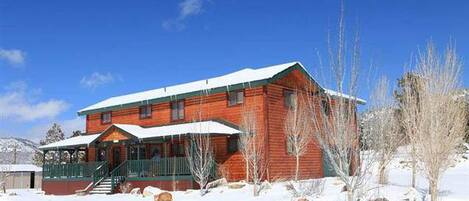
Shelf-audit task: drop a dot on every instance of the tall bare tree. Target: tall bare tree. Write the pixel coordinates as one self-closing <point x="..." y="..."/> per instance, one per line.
<point x="440" y="117"/>
<point x="297" y="129"/>
<point x="199" y="152"/>
<point x="334" y="123"/>
<point x="199" y="155"/>
<point x="382" y="128"/>
<point x="258" y="163"/>
<point x="408" y="96"/>
<point x="248" y="126"/>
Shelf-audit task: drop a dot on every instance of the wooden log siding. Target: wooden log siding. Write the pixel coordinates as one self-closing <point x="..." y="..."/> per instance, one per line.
<point x="268" y="103"/>
<point x="282" y="164"/>
<point x="214" y="106"/>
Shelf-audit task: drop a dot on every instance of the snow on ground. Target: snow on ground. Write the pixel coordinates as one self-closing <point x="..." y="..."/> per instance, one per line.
<point x="453" y="187"/>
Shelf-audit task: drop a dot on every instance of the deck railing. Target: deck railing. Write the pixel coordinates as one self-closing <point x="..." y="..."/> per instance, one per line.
<point x="101" y="172"/>
<point x="73" y="170"/>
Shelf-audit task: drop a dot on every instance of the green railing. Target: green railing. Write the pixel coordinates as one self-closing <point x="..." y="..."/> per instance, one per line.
<point x="100" y="172"/>
<point x="118" y="174"/>
<point x="67" y="171"/>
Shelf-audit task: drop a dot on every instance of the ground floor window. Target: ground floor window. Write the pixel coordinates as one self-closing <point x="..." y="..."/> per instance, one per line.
<point x="233" y="144"/>
<point x="177" y="149"/>
<point x="136" y="152"/>
<point x="156" y="151"/>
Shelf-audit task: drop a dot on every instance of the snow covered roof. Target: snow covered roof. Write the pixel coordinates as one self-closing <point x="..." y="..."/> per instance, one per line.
<point x="203" y="127"/>
<point x="242" y="78"/>
<point x="82" y="140"/>
<point x="19" y="168"/>
<point x="336" y="93"/>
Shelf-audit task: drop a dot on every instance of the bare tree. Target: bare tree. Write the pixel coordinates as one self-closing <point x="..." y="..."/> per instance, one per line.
<point x="297" y="130"/>
<point x="200" y="158"/>
<point x="252" y="148"/>
<point x="440" y="117"/>
<point x="258" y="163"/>
<point x="408" y="97"/>
<point x="248" y="127"/>
<point x="334" y="123"/>
<point x="382" y="128"/>
<point x="199" y="153"/>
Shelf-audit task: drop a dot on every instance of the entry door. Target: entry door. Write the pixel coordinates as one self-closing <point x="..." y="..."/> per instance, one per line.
<point x="116" y="157"/>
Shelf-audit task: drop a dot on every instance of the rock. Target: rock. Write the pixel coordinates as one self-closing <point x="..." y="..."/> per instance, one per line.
<point x="151" y="191"/>
<point x="411" y="194"/>
<point x="302" y="199"/>
<point x="12" y="194"/>
<point x="125" y="187"/>
<point x="164" y="196"/>
<point x="135" y="191"/>
<point x="344" y="189"/>
<point x="266" y="185"/>
<point x="379" y="199"/>
<point x="236" y="185"/>
<point x="216" y="183"/>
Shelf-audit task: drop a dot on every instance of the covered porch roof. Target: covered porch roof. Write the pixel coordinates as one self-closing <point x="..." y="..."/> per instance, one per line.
<point x="142" y="133"/>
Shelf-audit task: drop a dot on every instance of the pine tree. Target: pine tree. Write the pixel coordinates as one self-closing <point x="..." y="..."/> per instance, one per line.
<point x="54" y="134"/>
<point x="76" y="133"/>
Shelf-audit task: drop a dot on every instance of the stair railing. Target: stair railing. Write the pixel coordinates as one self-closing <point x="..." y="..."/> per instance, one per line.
<point x="118" y="174"/>
<point x="100" y="172"/>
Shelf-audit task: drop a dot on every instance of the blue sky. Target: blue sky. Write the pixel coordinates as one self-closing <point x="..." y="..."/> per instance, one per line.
<point x="59" y="56"/>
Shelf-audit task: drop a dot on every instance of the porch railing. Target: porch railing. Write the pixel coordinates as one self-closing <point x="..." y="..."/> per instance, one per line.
<point x="100" y="172"/>
<point x="67" y="171"/>
<point x="149" y="168"/>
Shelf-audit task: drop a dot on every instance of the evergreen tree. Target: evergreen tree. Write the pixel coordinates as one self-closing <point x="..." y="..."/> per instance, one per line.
<point x="76" y="133"/>
<point x="54" y="134"/>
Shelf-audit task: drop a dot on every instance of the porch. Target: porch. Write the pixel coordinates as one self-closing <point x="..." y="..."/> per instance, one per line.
<point x="128" y="153"/>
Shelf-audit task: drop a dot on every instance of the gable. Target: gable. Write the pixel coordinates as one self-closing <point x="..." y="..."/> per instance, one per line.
<point x="113" y="134"/>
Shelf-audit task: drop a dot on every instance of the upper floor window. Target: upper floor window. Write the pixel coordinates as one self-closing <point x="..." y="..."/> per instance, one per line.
<point x="177" y="110"/>
<point x="325" y="107"/>
<point x="145" y="111"/>
<point x="289" y="98"/>
<point x="106" y="117"/>
<point x="235" y="97"/>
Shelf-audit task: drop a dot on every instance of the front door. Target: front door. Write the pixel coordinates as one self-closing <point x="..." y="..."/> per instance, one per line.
<point x="116" y="157"/>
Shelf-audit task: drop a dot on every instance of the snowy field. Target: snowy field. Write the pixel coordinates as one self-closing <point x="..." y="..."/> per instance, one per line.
<point x="453" y="187"/>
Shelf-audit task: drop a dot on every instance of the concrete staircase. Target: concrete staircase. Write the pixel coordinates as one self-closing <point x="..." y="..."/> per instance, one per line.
<point x="103" y="187"/>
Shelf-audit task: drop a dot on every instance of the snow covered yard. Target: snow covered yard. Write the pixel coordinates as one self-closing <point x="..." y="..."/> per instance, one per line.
<point x="453" y="187"/>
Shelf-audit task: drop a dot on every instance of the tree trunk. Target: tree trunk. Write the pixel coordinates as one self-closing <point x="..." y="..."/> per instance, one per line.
<point x="349" y="195"/>
<point x="247" y="171"/>
<point x="297" y="167"/>
<point x="382" y="175"/>
<point x="414" y="165"/>
<point x="433" y="190"/>
<point x="256" y="192"/>
<point x="414" y="172"/>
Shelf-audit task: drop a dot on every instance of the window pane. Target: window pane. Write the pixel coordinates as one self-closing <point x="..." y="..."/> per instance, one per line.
<point x="174" y="112"/>
<point x="106" y="117"/>
<point x="181" y="109"/>
<point x="240" y="96"/>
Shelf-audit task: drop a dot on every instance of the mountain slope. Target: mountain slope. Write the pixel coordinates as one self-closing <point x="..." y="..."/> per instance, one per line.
<point x="25" y="150"/>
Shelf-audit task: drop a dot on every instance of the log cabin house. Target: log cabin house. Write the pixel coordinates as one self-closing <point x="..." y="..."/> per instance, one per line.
<point x="141" y="137"/>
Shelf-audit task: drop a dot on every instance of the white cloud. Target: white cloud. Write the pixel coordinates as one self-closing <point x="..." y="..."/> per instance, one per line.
<point x="96" y="79"/>
<point x="12" y="56"/>
<point x="190" y="7"/>
<point x="17" y="103"/>
<point x="186" y="8"/>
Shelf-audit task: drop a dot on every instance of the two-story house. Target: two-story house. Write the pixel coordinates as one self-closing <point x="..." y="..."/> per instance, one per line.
<point x="141" y="137"/>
